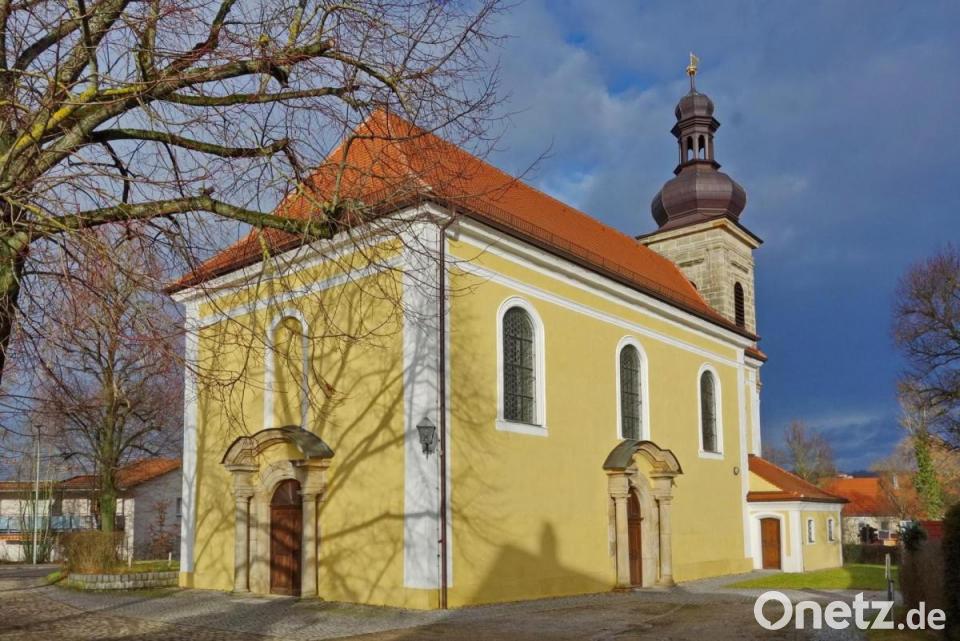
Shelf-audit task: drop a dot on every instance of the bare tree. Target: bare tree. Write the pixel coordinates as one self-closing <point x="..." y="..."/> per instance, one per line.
<point x="105" y="386"/>
<point x="896" y="474"/>
<point x="155" y="115"/>
<point x="927" y="330"/>
<point x="806" y="452"/>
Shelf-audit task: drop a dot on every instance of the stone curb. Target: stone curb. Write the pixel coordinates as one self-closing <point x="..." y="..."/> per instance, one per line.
<point x="133" y="581"/>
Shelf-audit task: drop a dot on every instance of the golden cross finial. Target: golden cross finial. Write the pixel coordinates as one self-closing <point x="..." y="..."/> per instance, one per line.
<point x="692" y="69"/>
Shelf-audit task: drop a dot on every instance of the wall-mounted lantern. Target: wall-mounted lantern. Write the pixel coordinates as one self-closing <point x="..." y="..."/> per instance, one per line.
<point x="428" y="435"/>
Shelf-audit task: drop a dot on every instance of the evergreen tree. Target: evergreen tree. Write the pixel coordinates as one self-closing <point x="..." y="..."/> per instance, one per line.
<point x="925" y="479"/>
<point x="918" y="412"/>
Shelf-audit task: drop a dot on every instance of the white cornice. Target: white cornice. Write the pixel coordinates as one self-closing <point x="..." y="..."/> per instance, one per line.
<point x="303" y="256"/>
<point x="805" y="506"/>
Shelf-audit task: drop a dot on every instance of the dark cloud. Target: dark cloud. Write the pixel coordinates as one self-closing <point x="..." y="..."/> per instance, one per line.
<point x="838" y="118"/>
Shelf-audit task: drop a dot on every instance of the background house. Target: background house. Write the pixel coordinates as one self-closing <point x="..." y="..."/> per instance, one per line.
<point x="870" y="516"/>
<point x="148" y="509"/>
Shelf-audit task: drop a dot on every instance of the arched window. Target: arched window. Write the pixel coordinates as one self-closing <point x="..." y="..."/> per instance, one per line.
<point x="702" y="148"/>
<point x="631" y="393"/>
<point x="690" y="151"/>
<point x="519" y="367"/>
<point x="709" y="442"/>
<point x="738" y="309"/>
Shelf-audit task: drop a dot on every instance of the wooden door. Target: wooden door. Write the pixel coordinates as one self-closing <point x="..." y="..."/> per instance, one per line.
<point x="286" y="530"/>
<point x="634" y="541"/>
<point x="770" y="543"/>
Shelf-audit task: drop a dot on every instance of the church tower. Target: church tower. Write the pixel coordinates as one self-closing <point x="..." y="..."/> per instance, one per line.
<point x="698" y="216"/>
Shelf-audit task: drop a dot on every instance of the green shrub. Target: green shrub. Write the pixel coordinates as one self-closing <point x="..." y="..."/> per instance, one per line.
<point x="91" y="551"/>
<point x="912" y="536"/>
<point x="951" y="571"/>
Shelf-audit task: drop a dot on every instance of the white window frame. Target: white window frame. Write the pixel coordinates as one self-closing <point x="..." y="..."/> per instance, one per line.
<point x="718" y="412"/>
<point x="539" y="428"/>
<point x="831" y="532"/>
<point x="811" y="531"/>
<point x="644" y="388"/>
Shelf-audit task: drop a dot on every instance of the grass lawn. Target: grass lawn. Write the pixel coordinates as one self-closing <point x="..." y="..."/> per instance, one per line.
<point x="160" y="565"/>
<point x="54" y="577"/>
<point x="849" y="577"/>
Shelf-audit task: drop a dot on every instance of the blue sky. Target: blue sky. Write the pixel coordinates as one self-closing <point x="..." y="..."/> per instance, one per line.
<point x="840" y="119"/>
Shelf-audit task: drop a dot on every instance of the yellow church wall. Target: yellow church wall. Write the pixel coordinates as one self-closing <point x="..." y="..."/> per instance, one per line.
<point x="545" y="279"/>
<point x="356" y="405"/>
<point x="758" y="484"/>
<point x="531" y="513"/>
<point x="822" y="553"/>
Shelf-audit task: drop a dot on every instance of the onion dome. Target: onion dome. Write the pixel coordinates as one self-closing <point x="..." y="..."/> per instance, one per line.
<point x="699" y="191"/>
<point x="693" y="104"/>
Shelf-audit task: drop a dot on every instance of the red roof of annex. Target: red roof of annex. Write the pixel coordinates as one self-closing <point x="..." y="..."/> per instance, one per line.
<point x="791" y="487"/>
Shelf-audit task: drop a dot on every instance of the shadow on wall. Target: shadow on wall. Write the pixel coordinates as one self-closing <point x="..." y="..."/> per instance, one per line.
<point x="556" y="578"/>
<point x="359" y="413"/>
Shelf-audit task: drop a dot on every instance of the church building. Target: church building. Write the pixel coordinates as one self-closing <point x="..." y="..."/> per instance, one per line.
<point x="476" y="393"/>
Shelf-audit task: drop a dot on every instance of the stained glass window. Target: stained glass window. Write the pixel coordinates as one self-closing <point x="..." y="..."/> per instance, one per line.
<point x="708" y="412"/>
<point x="630" y="393"/>
<point x="519" y="367"/>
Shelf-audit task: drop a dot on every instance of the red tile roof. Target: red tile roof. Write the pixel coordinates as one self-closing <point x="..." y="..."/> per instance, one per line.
<point x="865" y="495"/>
<point x="395" y="164"/>
<point x="17" y="486"/>
<point x="129" y="475"/>
<point x="791" y="487"/>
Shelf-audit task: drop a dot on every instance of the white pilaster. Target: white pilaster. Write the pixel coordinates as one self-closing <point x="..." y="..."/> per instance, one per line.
<point x="421" y="529"/>
<point x="744" y="464"/>
<point x="188" y="491"/>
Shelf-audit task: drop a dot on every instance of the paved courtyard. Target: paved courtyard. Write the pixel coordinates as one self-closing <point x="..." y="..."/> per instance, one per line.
<point x="704" y="611"/>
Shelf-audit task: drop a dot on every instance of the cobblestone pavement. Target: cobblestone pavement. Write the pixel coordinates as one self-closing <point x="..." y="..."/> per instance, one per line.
<point x="29" y="612"/>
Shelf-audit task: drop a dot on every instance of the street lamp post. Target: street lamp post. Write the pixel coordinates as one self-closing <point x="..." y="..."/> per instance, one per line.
<point x="36" y="493"/>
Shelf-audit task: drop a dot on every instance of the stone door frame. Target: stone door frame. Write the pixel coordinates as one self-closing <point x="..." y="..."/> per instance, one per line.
<point x="654" y="490"/>
<point x="253" y="488"/>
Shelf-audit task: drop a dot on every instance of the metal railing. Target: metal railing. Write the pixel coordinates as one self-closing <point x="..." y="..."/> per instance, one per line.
<point x="55" y="523"/>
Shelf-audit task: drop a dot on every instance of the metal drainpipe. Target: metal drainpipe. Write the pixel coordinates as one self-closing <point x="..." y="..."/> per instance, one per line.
<point x="442" y="373"/>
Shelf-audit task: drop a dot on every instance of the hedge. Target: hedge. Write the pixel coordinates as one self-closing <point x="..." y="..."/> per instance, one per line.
<point x="870" y="553"/>
<point x="951" y="571"/>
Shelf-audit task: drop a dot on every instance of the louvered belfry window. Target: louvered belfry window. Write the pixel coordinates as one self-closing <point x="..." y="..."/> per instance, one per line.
<point x="519" y="367"/>
<point x="630" y="393"/>
<point x="739" y="311"/>
<point x="708" y="411"/>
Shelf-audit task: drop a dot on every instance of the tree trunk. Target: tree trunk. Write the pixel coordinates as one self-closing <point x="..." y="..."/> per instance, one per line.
<point x="13" y="252"/>
<point x="108" y="508"/>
